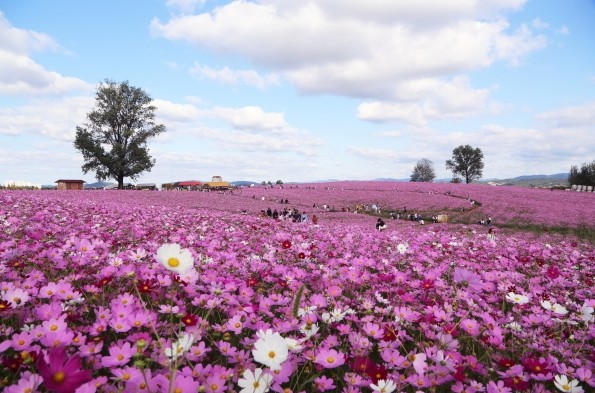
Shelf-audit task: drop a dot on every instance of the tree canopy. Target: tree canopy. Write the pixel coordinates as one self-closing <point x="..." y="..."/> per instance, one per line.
<point x="467" y="162"/>
<point x="423" y="171"/>
<point x="113" y="141"/>
<point x="584" y="176"/>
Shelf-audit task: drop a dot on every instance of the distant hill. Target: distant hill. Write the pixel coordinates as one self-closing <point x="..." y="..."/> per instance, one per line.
<point x="557" y="179"/>
<point x="244" y="183"/>
<point x="99" y="184"/>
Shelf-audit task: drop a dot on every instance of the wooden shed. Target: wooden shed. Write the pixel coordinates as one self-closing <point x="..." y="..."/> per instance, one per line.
<point x="70" y="184"/>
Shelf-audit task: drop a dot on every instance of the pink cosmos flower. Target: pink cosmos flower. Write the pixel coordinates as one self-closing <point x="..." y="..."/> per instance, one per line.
<point x="27" y="383"/>
<point x="419" y="363"/>
<point x="21" y="341"/>
<point x="471" y="326"/>
<point x="330" y="358"/>
<point x="48" y="290"/>
<point x="497" y="387"/>
<point x="118" y="356"/>
<point x="468" y="279"/>
<point x="373" y="330"/>
<point x="55" y="324"/>
<point x="16" y="297"/>
<point x="62" y="375"/>
<point x="57" y="338"/>
<point x="586" y="375"/>
<point x="235" y="324"/>
<point x="120" y="325"/>
<point x="324" y="383"/>
<point x="45" y="312"/>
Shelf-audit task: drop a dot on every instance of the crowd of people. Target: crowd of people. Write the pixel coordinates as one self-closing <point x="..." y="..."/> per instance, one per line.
<point x="293" y="215"/>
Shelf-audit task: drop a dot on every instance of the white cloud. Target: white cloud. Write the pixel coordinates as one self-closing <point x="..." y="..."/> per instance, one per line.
<point x="251" y="118"/>
<point x="22" y="76"/>
<point x="563" y="30"/>
<point x="22" y="42"/>
<point x="570" y="117"/>
<point x="373" y="153"/>
<point x="54" y="118"/>
<point x="428" y="99"/>
<point x="355" y="49"/>
<point x="297" y="142"/>
<point x="172" y="112"/>
<point x="228" y="76"/>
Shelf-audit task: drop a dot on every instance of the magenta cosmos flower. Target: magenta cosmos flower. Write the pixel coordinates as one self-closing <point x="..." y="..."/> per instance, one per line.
<point x="62" y="375"/>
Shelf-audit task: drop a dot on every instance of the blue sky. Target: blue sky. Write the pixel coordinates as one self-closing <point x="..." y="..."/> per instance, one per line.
<point x="304" y="90"/>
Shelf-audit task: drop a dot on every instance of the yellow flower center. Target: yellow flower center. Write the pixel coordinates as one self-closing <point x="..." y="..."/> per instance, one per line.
<point x="59" y="377"/>
<point x="178" y="390"/>
<point x="272" y="354"/>
<point x="256" y="384"/>
<point x="120" y="357"/>
<point x="126" y="376"/>
<point x="173" y="262"/>
<point x="53" y="328"/>
<point x="330" y="359"/>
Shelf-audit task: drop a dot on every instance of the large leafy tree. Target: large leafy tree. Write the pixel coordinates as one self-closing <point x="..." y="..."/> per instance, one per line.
<point x="423" y="171"/>
<point x="467" y="162"/>
<point x="583" y="176"/>
<point x="113" y="142"/>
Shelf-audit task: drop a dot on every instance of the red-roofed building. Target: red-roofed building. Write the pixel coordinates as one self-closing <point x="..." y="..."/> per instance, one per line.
<point x="70" y="184"/>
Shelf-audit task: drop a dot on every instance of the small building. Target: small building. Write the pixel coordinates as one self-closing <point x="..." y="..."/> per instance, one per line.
<point x="216" y="183"/>
<point x="70" y="184"/>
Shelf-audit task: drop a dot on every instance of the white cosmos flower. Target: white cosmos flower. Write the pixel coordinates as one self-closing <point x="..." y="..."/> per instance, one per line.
<point x="294" y="345"/>
<point x="559" y="309"/>
<point x="384" y="386"/>
<point x="556" y="308"/>
<point x="309" y="330"/>
<point x="586" y="313"/>
<point x="255" y="382"/>
<point x="179" y="347"/>
<point x="402" y="248"/>
<point x="562" y="383"/>
<point x="175" y="258"/>
<point x="271" y="350"/>
<point x="517" y="299"/>
<point x="546" y="304"/>
<point x="514" y="326"/>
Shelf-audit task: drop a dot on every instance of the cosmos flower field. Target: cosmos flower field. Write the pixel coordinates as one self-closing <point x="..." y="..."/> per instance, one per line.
<point x="141" y="291"/>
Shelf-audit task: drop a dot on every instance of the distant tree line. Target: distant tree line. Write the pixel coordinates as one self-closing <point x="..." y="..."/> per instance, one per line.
<point x="584" y="176"/>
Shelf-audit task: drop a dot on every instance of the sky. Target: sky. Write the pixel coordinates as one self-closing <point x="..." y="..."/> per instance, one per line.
<point x="304" y="90"/>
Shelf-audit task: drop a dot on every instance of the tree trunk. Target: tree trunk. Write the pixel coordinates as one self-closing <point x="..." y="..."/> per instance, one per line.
<point x="120" y="181"/>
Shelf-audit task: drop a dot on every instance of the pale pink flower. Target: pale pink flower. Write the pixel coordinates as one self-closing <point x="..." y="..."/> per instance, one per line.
<point x="330" y="358"/>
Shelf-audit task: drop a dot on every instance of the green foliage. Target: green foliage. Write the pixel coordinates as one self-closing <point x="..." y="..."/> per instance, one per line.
<point x="113" y="141"/>
<point x="467" y="162"/>
<point x="423" y="171"/>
